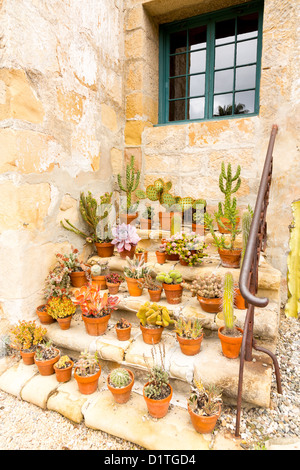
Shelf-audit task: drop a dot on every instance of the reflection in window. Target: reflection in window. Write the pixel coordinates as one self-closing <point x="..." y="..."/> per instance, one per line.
<point x="196" y="108"/>
<point x="224" y="81"/>
<point x="197" y="85"/>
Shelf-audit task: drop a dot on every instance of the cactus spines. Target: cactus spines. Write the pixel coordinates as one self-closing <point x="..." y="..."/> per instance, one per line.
<point x="132" y="179"/>
<point x="228" y="302"/>
<point x="246" y="225"/>
<point x="88" y="209"/>
<point x="231" y="186"/>
<point x="119" y="378"/>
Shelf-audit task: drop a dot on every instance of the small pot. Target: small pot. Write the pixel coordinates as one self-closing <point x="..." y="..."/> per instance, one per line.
<point x="123" y="334"/>
<point x="227" y="224"/>
<point x="46" y="367"/>
<point x="151" y="335"/>
<point x="130" y="253"/>
<point x="155" y="295"/>
<point x="65" y="322"/>
<point x="28" y="357"/>
<point x="230" y="258"/>
<point x="99" y="281"/>
<point x="172" y="257"/>
<point x="96" y="326"/>
<point x="78" y="278"/>
<point x="190" y="346"/>
<point x="121" y="395"/>
<point x="112" y="287"/>
<point x="210" y="305"/>
<point x="165" y="219"/>
<point x="145" y="224"/>
<point x="44" y="317"/>
<point x="239" y="301"/>
<point x="88" y="384"/>
<point x="158" y="408"/>
<point x="139" y="256"/>
<point x="133" y="287"/>
<point x="204" y="424"/>
<point x="173" y="293"/>
<point x="199" y="229"/>
<point x="128" y="218"/>
<point x="230" y="345"/>
<point x="63" y="375"/>
<point x="183" y="263"/>
<point x="161" y="257"/>
<point x="105" y="250"/>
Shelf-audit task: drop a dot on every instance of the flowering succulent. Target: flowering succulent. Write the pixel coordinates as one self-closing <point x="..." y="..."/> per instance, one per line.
<point x="71" y="261"/>
<point x="26" y="335"/>
<point x="92" y="303"/>
<point x="114" y="278"/>
<point x="60" y="307"/>
<point x="57" y="282"/>
<point x="210" y="287"/>
<point x="124" y="237"/>
<point x="189" y="246"/>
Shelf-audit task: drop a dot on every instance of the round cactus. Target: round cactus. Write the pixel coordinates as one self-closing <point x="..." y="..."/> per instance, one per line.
<point x="119" y="378"/>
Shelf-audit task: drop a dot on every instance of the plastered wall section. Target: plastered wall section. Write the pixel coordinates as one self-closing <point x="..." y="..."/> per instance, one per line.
<point x="61" y="132"/>
<point x="191" y="154"/>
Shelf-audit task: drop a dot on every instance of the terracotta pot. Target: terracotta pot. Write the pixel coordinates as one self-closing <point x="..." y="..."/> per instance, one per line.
<point x="65" y="323"/>
<point x="133" y="287"/>
<point x="189" y="346"/>
<point x="128" y="218"/>
<point x="165" y="219"/>
<point x="96" y="326"/>
<point x="123" y="334"/>
<point x="121" y="395"/>
<point x="172" y="257"/>
<point x="78" y="278"/>
<point x="204" y="424"/>
<point x="151" y="335"/>
<point x="158" y="408"/>
<point x="63" y="375"/>
<point x="88" y="384"/>
<point x="28" y="357"/>
<point x="227" y="224"/>
<point x="44" y="317"/>
<point x="230" y="258"/>
<point x="183" y="263"/>
<point x="105" y="250"/>
<point x="210" y="305"/>
<point x="139" y="256"/>
<point x="145" y="224"/>
<point x="99" y="281"/>
<point x="173" y="293"/>
<point x="46" y="367"/>
<point x="161" y="257"/>
<point x="239" y="301"/>
<point x="130" y="253"/>
<point x="199" y="229"/>
<point x="230" y="345"/>
<point x="112" y="287"/>
<point x="155" y="295"/>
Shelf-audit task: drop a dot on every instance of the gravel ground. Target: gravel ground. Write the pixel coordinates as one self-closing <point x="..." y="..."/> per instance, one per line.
<point x="24" y="426"/>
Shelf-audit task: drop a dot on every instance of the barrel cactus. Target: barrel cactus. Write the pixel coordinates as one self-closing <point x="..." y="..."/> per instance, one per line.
<point x="119" y="378"/>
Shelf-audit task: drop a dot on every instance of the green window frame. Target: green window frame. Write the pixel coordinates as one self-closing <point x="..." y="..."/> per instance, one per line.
<point x="230" y="61"/>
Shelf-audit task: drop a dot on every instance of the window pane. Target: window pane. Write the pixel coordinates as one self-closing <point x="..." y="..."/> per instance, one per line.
<point x="223" y="81"/>
<point x="247" y="26"/>
<point x="177" y="110"/>
<point x="177" y="87"/>
<point x="225" y="31"/>
<point x="197" y="38"/>
<point x="244" y="102"/>
<point x="178" y="42"/>
<point x="223" y="105"/>
<point x="246" y="52"/>
<point x="197" y="62"/>
<point x="197" y="85"/>
<point x="224" y="56"/>
<point x="245" y="77"/>
<point x="177" y="65"/>
<point x="196" y="108"/>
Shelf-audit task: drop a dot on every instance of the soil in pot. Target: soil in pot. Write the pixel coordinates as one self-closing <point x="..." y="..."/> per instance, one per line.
<point x="133" y="286"/>
<point x="230" y="258"/>
<point x="96" y="326"/>
<point x="158" y="408"/>
<point x="203" y="424"/>
<point x="78" y="278"/>
<point x="47" y="367"/>
<point x="173" y="293"/>
<point x="121" y="395"/>
<point x="151" y="334"/>
<point x="64" y="323"/>
<point x="87" y="384"/>
<point x="44" y="318"/>
<point x="161" y="257"/>
<point x="105" y="250"/>
<point x="231" y="344"/>
<point x="190" y="346"/>
<point x="63" y="374"/>
<point x="113" y="288"/>
<point x="210" y="305"/>
<point x="130" y="253"/>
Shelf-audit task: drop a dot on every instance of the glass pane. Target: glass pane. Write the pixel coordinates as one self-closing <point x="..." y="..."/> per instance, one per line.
<point x="223" y="81"/>
<point x="246" y="52"/>
<point x="225" y="31"/>
<point x="177" y="87"/>
<point x="223" y="105"/>
<point x="247" y="26"/>
<point x="197" y="62"/>
<point x="224" y="56"/>
<point x="178" y="42"/>
<point x="245" y="77"/>
<point x="197" y="38"/>
<point x="197" y="85"/>
<point x="244" y="102"/>
<point x="177" y="65"/>
<point x="177" y="110"/>
<point x="196" y="108"/>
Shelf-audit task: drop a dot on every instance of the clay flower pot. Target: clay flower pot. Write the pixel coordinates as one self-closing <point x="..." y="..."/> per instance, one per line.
<point x="230" y="258"/>
<point x="161" y="257"/>
<point x="78" y="278"/>
<point x="128" y="218"/>
<point x="130" y="253"/>
<point x="158" y="408"/>
<point x="151" y="335"/>
<point x="204" y="424"/>
<point x="65" y="322"/>
<point x="99" y="281"/>
<point x="239" y="301"/>
<point x="145" y="224"/>
<point x="105" y="250"/>
<point x="139" y="256"/>
<point x="44" y="317"/>
<point x="227" y="224"/>
<point x="96" y="326"/>
<point x="65" y="374"/>
<point x="112" y="287"/>
<point x="173" y="293"/>
<point x="165" y="219"/>
<point x="123" y="334"/>
<point x="88" y="384"/>
<point x="190" y="346"/>
<point x="199" y="229"/>
<point x="46" y="367"/>
<point x="183" y="263"/>
<point x="155" y="295"/>
<point x="172" y="257"/>
<point x="210" y="305"/>
<point x="28" y="357"/>
<point x="121" y="395"/>
<point x="231" y="345"/>
<point x="134" y="288"/>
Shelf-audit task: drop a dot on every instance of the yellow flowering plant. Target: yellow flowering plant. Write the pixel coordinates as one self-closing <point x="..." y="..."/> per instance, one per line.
<point x="60" y="307"/>
<point x="26" y="335"/>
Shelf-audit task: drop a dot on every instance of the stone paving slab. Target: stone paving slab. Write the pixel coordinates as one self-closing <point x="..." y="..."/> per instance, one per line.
<point x="38" y="389"/>
<point x="14" y="377"/>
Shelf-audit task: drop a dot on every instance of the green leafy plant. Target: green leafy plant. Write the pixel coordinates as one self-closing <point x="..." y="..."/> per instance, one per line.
<point x="60" y="307"/>
<point x="220" y="240"/>
<point x="190" y="329"/>
<point x="205" y="401"/>
<point x="228" y="185"/>
<point x="87" y="364"/>
<point x="119" y="377"/>
<point x="158" y="377"/>
<point x="153" y="314"/>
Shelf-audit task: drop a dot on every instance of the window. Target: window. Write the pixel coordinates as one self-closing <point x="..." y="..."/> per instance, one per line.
<point x="210" y="65"/>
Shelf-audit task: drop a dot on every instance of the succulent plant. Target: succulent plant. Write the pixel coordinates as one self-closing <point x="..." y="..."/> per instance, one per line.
<point x="123" y="323"/>
<point x="209" y="287"/>
<point x="158" y="386"/>
<point x="119" y="378"/>
<point x="229" y="185"/>
<point x="88" y="364"/>
<point x="63" y="362"/>
<point x="205" y="401"/>
<point x="98" y="269"/>
<point x="246" y="225"/>
<point x="152" y="314"/>
<point x="136" y="269"/>
<point x="124" y="237"/>
<point x="60" y="307"/>
<point x="26" y="335"/>
<point x="172" y="277"/>
<point x="150" y="283"/>
<point x="132" y="180"/>
<point x="45" y="351"/>
<point x="190" y="329"/>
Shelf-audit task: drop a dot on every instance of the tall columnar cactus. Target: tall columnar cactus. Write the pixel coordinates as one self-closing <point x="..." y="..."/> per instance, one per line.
<point x="292" y="308"/>
<point x="229" y="185"/>
<point x="132" y="180"/>
<point x="228" y="302"/>
<point x="246" y="225"/>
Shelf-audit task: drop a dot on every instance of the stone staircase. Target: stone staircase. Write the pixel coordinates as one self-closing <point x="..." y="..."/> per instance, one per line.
<point x="98" y="411"/>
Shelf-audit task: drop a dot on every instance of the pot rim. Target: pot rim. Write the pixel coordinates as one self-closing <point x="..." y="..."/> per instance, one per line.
<point x="205" y="417"/>
<point x="64" y="368"/>
<point x="231" y="339"/>
<point x="152" y="400"/>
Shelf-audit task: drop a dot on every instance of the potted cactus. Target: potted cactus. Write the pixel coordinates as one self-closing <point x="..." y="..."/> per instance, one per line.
<point x="172" y="285"/>
<point x="199" y="208"/>
<point x="246" y="225"/>
<point x="120" y="382"/>
<point x="153" y="318"/>
<point x="135" y="272"/>
<point x="98" y="275"/>
<point x="154" y="287"/>
<point x="125" y="239"/>
<point x="230" y="336"/>
<point x="123" y="329"/>
<point x="204" y="407"/>
<point x="146" y="218"/>
<point x="132" y="179"/>
<point x="25" y="336"/>
<point x="189" y="334"/>
<point x="61" y="309"/>
<point x="228" y="185"/>
<point x="63" y="369"/>
<point x="87" y="372"/>
<point x="208" y="290"/>
<point x="113" y="282"/>
<point x="141" y="253"/>
<point x="161" y="254"/>
<point x="46" y="355"/>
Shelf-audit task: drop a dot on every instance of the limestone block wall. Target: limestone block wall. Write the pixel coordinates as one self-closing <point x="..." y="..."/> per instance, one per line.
<point x="61" y="131"/>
